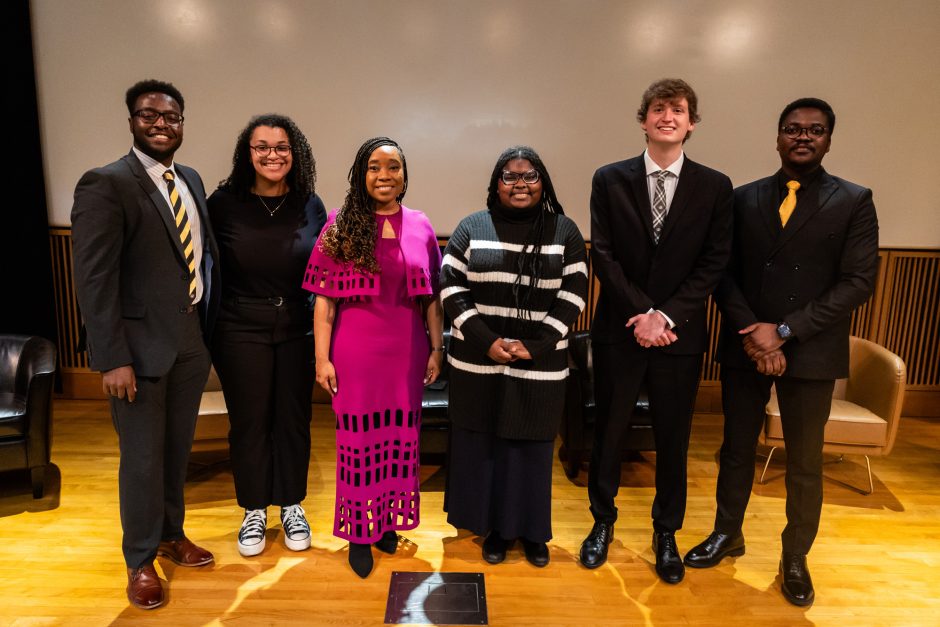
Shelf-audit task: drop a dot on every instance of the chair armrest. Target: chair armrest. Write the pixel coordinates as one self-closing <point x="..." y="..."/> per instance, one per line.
<point x="877" y="379"/>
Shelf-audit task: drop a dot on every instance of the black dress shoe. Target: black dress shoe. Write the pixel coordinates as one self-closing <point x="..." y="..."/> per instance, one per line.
<point x="594" y="547"/>
<point x="535" y="552"/>
<point x="716" y="547"/>
<point x="795" y="582"/>
<point x="494" y="548"/>
<point x="668" y="563"/>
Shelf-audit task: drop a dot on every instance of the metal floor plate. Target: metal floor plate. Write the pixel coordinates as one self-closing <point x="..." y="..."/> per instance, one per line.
<point x="436" y="599"/>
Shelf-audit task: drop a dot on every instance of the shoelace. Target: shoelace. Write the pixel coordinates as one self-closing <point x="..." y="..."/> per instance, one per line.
<point x="603" y="534"/>
<point x="254" y="524"/>
<point x="668" y="543"/>
<point x="293" y="521"/>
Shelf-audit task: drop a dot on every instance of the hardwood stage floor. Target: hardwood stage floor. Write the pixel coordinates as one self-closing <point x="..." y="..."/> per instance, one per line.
<point x="875" y="562"/>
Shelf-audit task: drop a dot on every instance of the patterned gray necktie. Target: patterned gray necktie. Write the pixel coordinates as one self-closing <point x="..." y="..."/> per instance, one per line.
<point x="659" y="204"/>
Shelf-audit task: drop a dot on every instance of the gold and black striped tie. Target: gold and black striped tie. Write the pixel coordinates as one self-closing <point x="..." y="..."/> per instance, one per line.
<point x="182" y="226"/>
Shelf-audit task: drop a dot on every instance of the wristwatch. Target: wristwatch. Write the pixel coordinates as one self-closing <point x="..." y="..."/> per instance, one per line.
<point x="783" y="330"/>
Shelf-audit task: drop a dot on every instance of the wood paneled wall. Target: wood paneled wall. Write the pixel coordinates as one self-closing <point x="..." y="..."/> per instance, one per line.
<point x="903" y="315"/>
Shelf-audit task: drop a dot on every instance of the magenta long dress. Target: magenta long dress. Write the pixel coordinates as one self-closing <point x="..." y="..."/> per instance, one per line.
<point x="380" y="351"/>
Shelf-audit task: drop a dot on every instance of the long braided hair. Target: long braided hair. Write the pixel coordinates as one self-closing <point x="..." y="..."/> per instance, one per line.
<point x="351" y="238"/>
<point x="302" y="176"/>
<point x="530" y="261"/>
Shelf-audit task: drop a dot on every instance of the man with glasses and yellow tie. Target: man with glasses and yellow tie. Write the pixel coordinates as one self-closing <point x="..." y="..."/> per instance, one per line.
<point x="804" y="256"/>
<point x="146" y="284"/>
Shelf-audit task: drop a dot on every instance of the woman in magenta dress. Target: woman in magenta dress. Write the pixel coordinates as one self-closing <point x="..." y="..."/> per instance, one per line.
<point x="378" y="331"/>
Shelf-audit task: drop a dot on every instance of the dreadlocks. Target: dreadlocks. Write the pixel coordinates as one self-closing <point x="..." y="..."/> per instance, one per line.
<point x="530" y="261"/>
<point x="302" y="176"/>
<point x="351" y="238"/>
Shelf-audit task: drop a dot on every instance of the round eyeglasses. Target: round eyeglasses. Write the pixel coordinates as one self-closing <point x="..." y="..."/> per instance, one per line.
<point x="511" y="178"/>
<point x="281" y="150"/>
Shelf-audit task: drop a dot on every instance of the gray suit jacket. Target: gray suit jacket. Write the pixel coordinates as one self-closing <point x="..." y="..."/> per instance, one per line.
<point x="811" y="274"/>
<point x="130" y="272"/>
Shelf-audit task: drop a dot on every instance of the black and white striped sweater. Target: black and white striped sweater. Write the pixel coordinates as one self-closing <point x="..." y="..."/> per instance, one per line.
<point x="523" y="399"/>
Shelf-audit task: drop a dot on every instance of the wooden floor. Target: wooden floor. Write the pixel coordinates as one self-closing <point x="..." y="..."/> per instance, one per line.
<point x="876" y="561"/>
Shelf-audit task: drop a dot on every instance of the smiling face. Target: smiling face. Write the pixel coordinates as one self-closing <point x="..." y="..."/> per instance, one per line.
<point x="270" y="169"/>
<point x="803" y="154"/>
<point x="158" y="140"/>
<point x="519" y="195"/>
<point x="385" y="178"/>
<point x="667" y="122"/>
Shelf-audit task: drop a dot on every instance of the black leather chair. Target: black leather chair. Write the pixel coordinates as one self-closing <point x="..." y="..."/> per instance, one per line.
<point x="27" y="367"/>
<point x="435" y="422"/>
<point x="577" y="426"/>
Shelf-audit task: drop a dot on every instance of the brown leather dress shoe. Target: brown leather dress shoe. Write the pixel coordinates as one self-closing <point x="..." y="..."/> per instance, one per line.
<point x="184" y="552"/>
<point x="144" y="589"/>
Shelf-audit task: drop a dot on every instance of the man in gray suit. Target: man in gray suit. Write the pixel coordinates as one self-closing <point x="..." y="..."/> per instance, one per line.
<point x="804" y="256"/>
<point x="146" y="283"/>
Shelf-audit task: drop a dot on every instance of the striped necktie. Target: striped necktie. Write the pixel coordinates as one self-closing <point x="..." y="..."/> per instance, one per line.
<point x="659" y="204"/>
<point x="182" y="226"/>
<point x="789" y="203"/>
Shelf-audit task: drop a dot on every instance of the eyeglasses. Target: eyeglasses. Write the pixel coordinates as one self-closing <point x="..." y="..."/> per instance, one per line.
<point x="793" y="131"/>
<point x="511" y="178"/>
<point x="281" y="150"/>
<point x="150" y="116"/>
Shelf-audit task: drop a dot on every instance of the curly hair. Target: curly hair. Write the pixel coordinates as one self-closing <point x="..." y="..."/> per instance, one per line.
<point x="151" y="86"/>
<point x="351" y="238"/>
<point x="530" y="261"/>
<point x="671" y="90"/>
<point x="302" y="176"/>
<point x="809" y="103"/>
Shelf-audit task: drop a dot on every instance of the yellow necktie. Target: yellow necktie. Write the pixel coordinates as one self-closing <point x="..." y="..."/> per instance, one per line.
<point x="789" y="203"/>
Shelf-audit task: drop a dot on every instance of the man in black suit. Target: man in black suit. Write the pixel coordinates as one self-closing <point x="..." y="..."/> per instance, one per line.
<point x="146" y="284"/>
<point x="661" y="236"/>
<point x="805" y="255"/>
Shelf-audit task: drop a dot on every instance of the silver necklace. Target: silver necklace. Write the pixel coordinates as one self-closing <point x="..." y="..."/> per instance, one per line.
<point x="271" y="211"/>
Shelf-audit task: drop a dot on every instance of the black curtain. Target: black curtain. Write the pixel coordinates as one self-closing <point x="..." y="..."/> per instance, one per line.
<point x="28" y="294"/>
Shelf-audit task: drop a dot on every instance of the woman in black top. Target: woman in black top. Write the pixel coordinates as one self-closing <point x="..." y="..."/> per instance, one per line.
<point x="266" y="218"/>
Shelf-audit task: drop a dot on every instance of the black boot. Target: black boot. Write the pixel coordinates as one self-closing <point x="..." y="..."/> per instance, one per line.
<point x="360" y="558"/>
<point x="388" y="543"/>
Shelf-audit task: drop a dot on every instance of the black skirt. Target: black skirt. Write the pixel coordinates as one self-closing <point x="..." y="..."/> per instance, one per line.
<point x="501" y="485"/>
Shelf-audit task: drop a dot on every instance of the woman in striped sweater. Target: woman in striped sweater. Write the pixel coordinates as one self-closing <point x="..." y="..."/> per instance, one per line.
<point x="513" y="280"/>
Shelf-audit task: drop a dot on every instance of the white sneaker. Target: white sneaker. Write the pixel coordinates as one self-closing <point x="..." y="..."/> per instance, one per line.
<point x="251" y="535"/>
<point x="296" y="529"/>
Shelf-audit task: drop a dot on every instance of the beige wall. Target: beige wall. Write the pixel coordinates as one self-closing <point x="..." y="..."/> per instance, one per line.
<point x="456" y="82"/>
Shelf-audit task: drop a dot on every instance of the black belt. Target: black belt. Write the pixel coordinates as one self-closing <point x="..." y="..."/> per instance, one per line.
<point x="276" y="301"/>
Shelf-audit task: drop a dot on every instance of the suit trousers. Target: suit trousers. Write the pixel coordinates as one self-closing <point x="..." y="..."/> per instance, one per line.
<point x="671" y="386"/>
<point x="155" y="435"/>
<point x="264" y="357"/>
<point x="804" y="410"/>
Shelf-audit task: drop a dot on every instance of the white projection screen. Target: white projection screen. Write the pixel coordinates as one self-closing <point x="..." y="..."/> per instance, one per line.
<point x="455" y="82"/>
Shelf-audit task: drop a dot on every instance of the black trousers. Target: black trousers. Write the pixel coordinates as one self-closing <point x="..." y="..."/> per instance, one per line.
<point x="155" y="434"/>
<point x="671" y="385"/>
<point x="804" y="410"/>
<point x="264" y="357"/>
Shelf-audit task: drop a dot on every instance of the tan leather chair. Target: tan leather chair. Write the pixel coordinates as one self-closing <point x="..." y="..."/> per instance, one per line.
<point x="866" y="408"/>
<point x="212" y="423"/>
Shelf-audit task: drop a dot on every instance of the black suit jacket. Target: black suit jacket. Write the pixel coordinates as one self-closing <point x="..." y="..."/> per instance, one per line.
<point x="131" y="277"/>
<point x="675" y="276"/>
<point x="811" y="274"/>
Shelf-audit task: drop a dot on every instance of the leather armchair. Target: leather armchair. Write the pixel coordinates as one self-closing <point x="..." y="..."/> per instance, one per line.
<point x="435" y="420"/>
<point x="27" y="368"/>
<point x="577" y="425"/>
<point x="866" y="408"/>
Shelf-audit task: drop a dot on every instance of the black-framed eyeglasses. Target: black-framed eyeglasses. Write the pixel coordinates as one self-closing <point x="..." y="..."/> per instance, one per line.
<point x="511" y="178"/>
<point x="793" y="131"/>
<point x="281" y="150"/>
<point x="150" y="116"/>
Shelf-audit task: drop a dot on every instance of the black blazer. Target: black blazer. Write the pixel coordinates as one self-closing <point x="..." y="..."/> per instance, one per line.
<point x="811" y="274"/>
<point x="131" y="277"/>
<point x="675" y="276"/>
